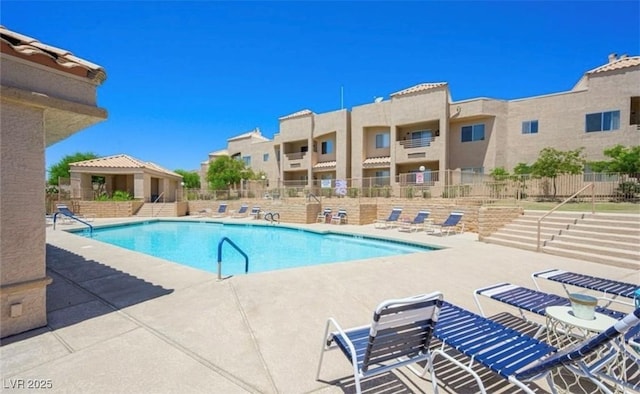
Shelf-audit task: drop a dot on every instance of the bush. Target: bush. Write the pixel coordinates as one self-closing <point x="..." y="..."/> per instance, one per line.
<point x="353" y="192"/>
<point x="120" y="195"/>
<point x="628" y="191"/>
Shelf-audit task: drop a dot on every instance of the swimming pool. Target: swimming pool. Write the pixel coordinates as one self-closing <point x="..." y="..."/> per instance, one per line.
<point x="268" y="247"/>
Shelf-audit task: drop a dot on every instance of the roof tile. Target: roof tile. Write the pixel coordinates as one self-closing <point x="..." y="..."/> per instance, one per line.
<point x="620" y="63"/>
<point x="122" y="161"/>
<point x="27" y="46"/>
<point x="297" y="114"/>
<point x="419" y="88"/>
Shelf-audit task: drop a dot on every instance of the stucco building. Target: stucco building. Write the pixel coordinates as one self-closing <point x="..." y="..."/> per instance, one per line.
<point x="46" y="94"/>
<point x="144" y="181"/>
<point x="421" y="130"/>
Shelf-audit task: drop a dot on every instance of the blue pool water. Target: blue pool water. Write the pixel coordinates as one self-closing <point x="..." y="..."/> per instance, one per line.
<point x="268" y="247"/>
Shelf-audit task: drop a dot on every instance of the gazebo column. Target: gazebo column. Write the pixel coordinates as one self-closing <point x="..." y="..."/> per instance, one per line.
<point x="138" y="186"/>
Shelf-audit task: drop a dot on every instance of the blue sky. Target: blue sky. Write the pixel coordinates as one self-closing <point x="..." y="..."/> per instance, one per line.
<point x="182" y="77"/>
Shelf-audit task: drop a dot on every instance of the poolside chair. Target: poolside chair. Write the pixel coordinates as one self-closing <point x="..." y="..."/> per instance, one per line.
<point x="398" y="335"/>
<point x="450" y="224"/>
<point x="221" y="212"/>
<point x="203" y="212"/>
<point x="610" y="289"/>
<point x="514" y="356"/>
<point x="391" y="221"/>
<point x="255" y="212"/>
<point x="529" y="300"/>
<point x="534" y="301"/>
<point x="242" y="212"/>
<point x="339" y="217"/>
<point x="415" y="224"/>
<point x="324" y="216"/>
<point x="68" y="216"/>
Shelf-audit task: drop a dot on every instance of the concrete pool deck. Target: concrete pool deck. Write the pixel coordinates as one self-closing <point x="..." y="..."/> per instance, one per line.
<point x="121" y="321"/>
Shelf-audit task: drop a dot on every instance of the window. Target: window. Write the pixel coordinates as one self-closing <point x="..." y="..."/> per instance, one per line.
<point x="602" y="121"/>
<point x="530" y="127"/>
<point x="304" y="148"/>
<point x="246" y="160"/>
<point x="265" y="157"/>
<point x="327" y="147"/>
<point x="382" y="140"/>
<point x="473" y="133"/>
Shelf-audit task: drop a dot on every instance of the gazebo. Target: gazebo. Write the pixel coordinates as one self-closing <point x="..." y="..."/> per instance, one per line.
<point x="144" y="181"/>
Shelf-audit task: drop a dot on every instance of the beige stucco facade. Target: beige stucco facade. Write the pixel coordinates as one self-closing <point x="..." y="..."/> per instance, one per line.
<point x="41" y="102"/>
<point x="421" y="129"/>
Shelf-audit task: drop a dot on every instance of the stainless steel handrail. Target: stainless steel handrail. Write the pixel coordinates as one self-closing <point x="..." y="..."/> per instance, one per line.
<point x="55" y="216"/>
<point x="155" y="201"/>
<point x="246" y="258"/>
<point x="593" y="208"/>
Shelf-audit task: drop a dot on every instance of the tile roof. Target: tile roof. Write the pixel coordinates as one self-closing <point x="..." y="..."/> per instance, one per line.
<point x="372" y="161"/>
<point x="622" y="62"/>
<point x="28" y="48"/>
<point x="419" y="88"/>
<point x="325" y="164"/>
<point x="122" y="161"/>
<point x="297" y="114"/>
<point x="255" y="133"/>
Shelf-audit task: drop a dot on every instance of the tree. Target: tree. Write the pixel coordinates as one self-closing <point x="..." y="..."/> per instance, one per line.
<point x="522" y="169"/>
<point x="623" y="160"/>
<point x="499" y="174"/>
<point x="552" y="162"/>
<point x="61" y="168"/>
<point x="191" y="179"/>
<point x="225" y="171"/>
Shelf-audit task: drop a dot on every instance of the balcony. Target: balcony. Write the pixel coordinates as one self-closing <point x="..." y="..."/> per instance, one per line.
<point x="296" y="161"/>
<point x="420" y="149"/>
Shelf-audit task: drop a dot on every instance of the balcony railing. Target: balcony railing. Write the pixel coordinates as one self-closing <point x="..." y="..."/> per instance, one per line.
<point x="417" y="143"/>
<point x="295" y="155"/>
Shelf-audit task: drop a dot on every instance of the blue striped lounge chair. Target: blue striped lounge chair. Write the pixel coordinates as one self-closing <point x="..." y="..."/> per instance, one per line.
<point x="340" y="217"/>
<point x="415" y="224"/>
<point x="221" y="212"/>
<point x="609" y="289"/>
<point x="242" y="212"/>
<point x="324" y="216"/>
<point x="399" y="335"/>
<point x="255" y="212"/>
<point x="450" y="224"/>
<point x="514" y="356"/>
<point x="534" y="301"/>
<point x="391" y="221"/>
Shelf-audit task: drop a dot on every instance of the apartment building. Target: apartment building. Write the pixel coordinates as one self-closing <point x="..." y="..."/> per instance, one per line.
<point x="420" y="131"/>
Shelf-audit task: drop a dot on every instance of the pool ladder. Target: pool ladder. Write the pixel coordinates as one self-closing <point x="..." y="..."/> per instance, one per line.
<point x="236" y="247"/>
<point x="271" y="217"/>
<point x="55" y="217"/>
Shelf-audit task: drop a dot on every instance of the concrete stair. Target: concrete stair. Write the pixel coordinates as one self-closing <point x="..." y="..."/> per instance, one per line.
<point x="612" y="239"/>
<point x="159" y="209"/>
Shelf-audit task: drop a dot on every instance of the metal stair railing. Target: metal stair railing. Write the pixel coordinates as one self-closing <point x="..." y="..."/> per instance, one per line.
<point x="154" y="202"/>
<point x="593" y="208"/>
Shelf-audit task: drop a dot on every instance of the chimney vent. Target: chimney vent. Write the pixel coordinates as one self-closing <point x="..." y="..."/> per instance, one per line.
<point x="612" y="57"/>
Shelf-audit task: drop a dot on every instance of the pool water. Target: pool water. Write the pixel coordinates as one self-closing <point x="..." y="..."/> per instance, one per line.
<point x="268" y="247"/>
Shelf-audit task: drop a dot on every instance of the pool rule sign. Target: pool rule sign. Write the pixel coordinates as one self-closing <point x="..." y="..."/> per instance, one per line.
<point x="341" y="187"/>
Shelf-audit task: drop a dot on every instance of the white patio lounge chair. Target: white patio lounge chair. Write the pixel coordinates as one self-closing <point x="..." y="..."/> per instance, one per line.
<point x="399" y="335"/>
